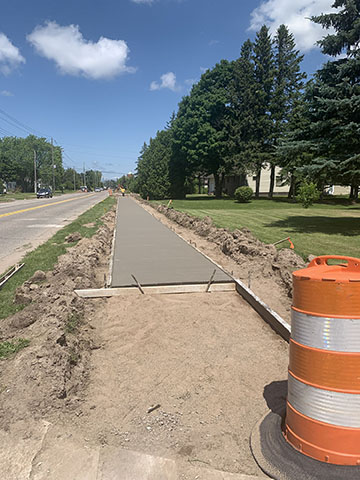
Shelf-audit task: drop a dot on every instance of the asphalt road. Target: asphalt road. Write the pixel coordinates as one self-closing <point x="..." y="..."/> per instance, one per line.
<point x="25" y="224"/>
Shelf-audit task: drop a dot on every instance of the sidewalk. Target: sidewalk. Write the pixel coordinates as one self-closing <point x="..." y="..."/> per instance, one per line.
<point x="155" y="255"/>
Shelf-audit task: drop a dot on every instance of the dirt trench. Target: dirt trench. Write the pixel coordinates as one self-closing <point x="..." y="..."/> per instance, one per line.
<point x="52" y="371"/>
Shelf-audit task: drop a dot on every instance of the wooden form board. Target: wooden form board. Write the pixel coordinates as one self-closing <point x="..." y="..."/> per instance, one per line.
<point x="266" y="313"/>
<point x="10" y="273"/>
<point x="155" y="290"/>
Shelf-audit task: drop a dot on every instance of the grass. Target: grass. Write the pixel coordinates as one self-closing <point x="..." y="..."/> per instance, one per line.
<point x="9" y="197"/>
<point x="328" y="228"/>
<point x="9" y="348"/>
<point x="46" y="255"/>
<point x="73" y="323"/>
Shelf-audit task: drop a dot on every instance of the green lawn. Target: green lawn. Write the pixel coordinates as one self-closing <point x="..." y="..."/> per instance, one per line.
<point x="330" y="228"/>
<point x="9" y="197"/>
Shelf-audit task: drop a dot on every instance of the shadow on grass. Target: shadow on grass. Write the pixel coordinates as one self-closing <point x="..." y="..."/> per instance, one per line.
<point x="347" y="226"/>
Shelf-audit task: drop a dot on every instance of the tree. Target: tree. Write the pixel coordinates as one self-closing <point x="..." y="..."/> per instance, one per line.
<point x="334" y="99"/>
<point x="201" y="130"/>
<point x="93" y="179"/>
<point x="243" y="98"/>
<point x="264" y="80"/>
<point x="69" y="175"/>
<point x="17" y="161"/>
<point x="288" y="84"/>
<point x="153" y="167"/>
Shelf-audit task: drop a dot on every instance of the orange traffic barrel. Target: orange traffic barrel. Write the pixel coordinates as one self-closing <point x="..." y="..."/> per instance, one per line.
<point x="323" y="403"/>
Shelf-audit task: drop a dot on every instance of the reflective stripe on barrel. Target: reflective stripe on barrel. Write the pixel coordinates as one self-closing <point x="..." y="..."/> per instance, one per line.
<point x="323" y="406"/>
<point x="341" y="409"/>
<point x="340" y="334"/>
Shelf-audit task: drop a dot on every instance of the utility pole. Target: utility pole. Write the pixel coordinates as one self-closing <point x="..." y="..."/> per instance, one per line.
<point x="84" y="174"/>
<point x="35" y="178"/>
<point x="74" y="181"/>
<point x="52" y="162"/>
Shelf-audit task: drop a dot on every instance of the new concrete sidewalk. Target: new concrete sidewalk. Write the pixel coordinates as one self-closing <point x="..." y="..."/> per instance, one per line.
<point x="154" y="254"/>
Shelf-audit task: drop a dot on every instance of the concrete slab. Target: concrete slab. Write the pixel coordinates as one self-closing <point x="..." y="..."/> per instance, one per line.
<point x="18" y="449"/>
<point x="146" y="248"/>
<point x="63" y="457"/>
<point x="120" y="464"/>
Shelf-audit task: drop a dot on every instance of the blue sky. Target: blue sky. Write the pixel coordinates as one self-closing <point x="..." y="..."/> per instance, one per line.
<point x="102" y="78"/>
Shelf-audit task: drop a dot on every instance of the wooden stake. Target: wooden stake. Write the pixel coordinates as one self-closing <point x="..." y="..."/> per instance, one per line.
<point x="210" y="281"/>
<point x="281" y="241"/>
<point x="138" y="284"/>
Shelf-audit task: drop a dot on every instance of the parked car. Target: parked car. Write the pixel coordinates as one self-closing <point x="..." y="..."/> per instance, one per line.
<point x="98" y="189"/>
<point x="44" y="193"/>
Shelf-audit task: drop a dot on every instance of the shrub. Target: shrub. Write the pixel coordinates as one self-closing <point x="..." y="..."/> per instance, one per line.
<point x="243" y="194"/>
<point x="308" y="194"/>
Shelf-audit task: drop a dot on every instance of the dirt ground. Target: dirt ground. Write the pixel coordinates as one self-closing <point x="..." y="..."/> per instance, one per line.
<point x="204" y="358"/>
<point x="94" y="368"/>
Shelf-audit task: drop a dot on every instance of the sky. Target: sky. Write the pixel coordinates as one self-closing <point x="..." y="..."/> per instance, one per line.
<point x="102" y="78"/>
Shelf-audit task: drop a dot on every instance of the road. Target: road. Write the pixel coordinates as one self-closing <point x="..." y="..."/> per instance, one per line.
<point x="25" y="224"/>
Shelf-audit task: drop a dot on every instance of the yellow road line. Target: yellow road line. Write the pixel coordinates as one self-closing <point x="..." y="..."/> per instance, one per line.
<point x="43" y="206"/>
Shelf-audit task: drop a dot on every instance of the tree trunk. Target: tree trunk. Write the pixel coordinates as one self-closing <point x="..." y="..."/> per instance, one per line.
<point x="199" y="180"/>
<point x="219" y="179"/>
<point x="258" y="178"/>
<point x="272" y="181"/>
<point x="291" y="193"/>
<point x="354" y="192"/>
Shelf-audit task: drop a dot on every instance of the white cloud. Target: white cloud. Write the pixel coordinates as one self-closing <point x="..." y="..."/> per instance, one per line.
<point x="168" y="80"/>
<point x="10" y="56"/>
<point x="75" y="55"/>
<point x="6" y="93"/>
<point x="295" y="15"/>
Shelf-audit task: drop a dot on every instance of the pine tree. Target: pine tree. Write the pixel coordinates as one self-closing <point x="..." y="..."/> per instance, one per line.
<point x="334" y="99"/>
<point x="288" y="83"/>
<point x="264" y="80"/>
<point x="153" y="166"/>
<point x="243" y="94"/>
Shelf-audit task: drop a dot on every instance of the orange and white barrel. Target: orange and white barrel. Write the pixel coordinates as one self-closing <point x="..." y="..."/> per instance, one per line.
<point x="323" y="404"/>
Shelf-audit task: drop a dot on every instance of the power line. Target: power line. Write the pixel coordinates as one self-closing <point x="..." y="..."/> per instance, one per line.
<point x="14" y="123"/>
<point x="23" y="125"/>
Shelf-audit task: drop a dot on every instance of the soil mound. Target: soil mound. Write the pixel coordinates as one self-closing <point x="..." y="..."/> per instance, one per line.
<point x="52" y="370"/>
<point x="258" y="259"/>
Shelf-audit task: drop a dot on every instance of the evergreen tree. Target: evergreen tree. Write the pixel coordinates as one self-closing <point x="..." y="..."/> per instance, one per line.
<point x="334" y="99"/>
<point x="264" y="81"/>
<point x="153" y="167"/>
<point x="243" y="98"/>
<point x="288" y="83"/>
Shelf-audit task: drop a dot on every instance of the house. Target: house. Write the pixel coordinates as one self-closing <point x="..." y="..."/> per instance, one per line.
<point x="232" y="182"/>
